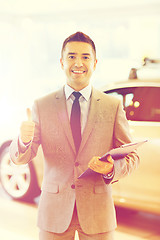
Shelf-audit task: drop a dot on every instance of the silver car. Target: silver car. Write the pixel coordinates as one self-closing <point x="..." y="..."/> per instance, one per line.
<point x="141" y="101"/>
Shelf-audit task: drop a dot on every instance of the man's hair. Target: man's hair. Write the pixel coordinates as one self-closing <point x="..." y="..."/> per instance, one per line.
<point x="78" y="37"/>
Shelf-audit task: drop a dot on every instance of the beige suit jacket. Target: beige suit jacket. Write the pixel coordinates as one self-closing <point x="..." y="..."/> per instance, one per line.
<point x="106" y="128"/>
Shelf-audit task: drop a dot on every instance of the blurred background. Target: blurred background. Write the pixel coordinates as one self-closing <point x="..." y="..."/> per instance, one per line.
<point x="31" y="36"/>
<point x="32" y="33"/>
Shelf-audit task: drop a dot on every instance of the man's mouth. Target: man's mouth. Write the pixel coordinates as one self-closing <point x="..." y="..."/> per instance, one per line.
<point x="78" y="71"/>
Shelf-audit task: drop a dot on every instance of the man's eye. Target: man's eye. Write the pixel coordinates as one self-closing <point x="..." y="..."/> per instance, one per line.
<point x="86" y="58"/>
<point x="71" y="57"/>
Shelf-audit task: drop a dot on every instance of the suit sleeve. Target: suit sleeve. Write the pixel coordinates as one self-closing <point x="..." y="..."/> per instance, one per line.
<point x="122" y="136"/>
<point x="22" y="157"/>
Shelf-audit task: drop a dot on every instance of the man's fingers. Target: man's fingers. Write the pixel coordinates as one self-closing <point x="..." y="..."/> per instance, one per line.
<point x="110" y="159"/>
<point x="27" y="128"/>
<point x="100" y="166"/>
<point x="27" y="131"/>
<point x="29" y="115"/>
<point x="93" y="162"/>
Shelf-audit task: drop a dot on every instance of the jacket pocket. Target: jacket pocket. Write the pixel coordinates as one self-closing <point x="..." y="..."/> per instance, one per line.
<point x="50" y="187"/>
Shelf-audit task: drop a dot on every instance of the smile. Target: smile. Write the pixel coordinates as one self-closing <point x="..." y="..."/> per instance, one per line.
<point x="78" y="71"/>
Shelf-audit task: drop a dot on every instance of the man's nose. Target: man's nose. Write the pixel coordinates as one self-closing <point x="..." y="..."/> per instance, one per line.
<point x="78" y="62"/>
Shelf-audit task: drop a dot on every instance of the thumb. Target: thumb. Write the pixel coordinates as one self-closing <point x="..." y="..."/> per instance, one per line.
<point x="110" y="159"/>
<point x="29" y="114"/>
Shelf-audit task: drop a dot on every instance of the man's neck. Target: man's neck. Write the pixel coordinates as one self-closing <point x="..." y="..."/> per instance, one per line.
<point x="77" y="88"/>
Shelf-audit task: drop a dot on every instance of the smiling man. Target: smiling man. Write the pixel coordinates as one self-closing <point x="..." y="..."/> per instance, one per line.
<point x="78" y="62"/>
<point x="75" y="126"/>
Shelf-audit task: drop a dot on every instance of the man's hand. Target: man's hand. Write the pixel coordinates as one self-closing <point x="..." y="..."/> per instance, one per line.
<point x="100" y="166"/>
<point x="27" y="128"/>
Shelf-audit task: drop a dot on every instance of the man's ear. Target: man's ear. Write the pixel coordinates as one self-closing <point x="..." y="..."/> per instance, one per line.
<point x="95" y="64"/>
<point x="61" y="61"/>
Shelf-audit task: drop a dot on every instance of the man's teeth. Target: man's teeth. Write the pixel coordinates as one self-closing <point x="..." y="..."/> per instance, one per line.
<point x="77" y="71"/>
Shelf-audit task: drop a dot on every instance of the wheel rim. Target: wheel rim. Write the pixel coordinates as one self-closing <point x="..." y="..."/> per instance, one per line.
<point x="15" y="179"/>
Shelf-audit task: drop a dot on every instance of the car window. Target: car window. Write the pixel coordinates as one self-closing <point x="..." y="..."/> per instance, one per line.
<point x="140" y="103"/>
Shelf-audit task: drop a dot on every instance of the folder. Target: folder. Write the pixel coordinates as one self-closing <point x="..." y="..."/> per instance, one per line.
<point x="116" y="154"/>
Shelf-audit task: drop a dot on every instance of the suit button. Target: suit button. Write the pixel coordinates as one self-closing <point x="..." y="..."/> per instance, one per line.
<point x="73" y="186"/>
<point x="76" y="164"/>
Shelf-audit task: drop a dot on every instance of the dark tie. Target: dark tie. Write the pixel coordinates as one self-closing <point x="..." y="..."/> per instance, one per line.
<point x="75" y="120"/>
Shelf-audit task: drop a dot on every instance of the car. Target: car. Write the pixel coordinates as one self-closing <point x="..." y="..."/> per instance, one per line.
<point x="20" y="182"/>
<point x="141" y="101"/>
<point x="138" y="191"/>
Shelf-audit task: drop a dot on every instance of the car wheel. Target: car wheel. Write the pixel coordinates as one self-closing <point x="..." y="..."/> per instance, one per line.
<point x="18" y="181"/>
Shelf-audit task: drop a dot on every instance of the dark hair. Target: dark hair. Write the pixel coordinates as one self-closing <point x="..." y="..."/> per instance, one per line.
<point x="78" y="37"/>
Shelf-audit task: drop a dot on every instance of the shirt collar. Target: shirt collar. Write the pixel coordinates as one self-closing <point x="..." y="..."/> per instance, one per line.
<point x="86" y="92"/>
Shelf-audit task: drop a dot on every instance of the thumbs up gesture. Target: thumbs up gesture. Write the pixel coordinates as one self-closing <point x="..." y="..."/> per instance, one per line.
<point x="27" y="128"/>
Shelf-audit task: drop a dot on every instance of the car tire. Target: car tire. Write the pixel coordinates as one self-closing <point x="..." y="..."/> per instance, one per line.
<point x="18" y="181"/>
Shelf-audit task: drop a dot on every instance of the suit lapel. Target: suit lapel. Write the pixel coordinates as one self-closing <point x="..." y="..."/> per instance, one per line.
<point x="63" y="116"/>
<point x="93" y="116"/>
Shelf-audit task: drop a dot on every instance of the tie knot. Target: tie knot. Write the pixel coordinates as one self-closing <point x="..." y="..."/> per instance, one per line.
<point x="77" y="95"/>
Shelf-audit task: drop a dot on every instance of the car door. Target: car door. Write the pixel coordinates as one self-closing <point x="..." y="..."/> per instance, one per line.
<point x="141" y="190"/>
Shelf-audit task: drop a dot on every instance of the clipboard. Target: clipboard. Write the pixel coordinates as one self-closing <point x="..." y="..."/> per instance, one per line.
<point x="116" y="154"/>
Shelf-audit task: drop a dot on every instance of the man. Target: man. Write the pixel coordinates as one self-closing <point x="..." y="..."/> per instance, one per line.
<point x="68" y="203"/>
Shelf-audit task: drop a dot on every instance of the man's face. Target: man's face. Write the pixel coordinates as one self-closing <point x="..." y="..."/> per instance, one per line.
<point x="78" y="62"/>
